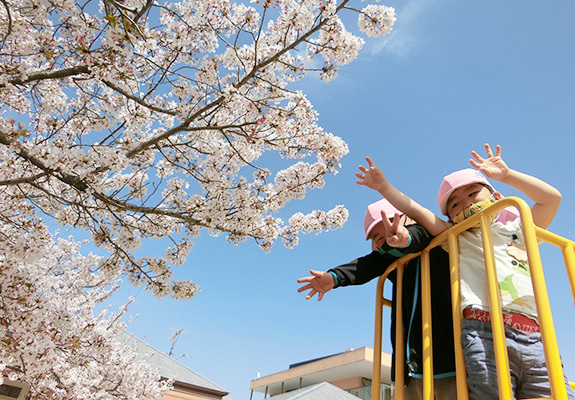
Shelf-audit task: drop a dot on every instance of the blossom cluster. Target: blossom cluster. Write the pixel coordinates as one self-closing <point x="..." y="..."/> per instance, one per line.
<point x="134" y="121"/>
<point x="50" y="337"/>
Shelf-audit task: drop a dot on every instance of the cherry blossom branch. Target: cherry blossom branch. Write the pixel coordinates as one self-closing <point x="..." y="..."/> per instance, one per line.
<point x="145" y="8"/>
<point x="18" y="181"/>
<point x="137" y="99"/>
<point x="50" y="75"/>
<point x="9" y="16"/>
<point x="243" y="81"/>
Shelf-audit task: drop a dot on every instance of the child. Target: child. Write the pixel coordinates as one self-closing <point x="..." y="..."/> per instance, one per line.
<point x="392" y="236"/>
<point x="462" y="194"/>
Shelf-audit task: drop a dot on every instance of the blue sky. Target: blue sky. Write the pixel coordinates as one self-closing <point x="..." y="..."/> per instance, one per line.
<point x="451" y="76"/>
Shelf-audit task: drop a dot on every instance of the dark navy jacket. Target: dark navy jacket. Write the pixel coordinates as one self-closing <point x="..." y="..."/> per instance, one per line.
<point x="366" y="268"/>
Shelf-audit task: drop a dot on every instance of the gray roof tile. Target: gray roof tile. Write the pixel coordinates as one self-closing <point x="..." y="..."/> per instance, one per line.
<point x="319" y="391"/>
<point x="167" y="366"/>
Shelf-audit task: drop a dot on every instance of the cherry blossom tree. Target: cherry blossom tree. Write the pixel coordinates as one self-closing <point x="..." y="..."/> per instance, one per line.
<point x="136" y="120"/>
<point x="50" y="339"/>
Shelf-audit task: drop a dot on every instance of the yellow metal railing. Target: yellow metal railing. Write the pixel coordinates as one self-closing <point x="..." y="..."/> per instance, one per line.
<point x="531" y="235"/>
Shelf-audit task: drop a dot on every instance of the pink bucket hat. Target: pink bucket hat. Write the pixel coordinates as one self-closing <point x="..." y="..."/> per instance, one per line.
<point x="457" y="179"/>
<point x="373" y="214"/>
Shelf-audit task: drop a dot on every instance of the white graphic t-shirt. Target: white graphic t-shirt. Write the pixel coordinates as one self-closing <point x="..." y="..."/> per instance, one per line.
<point x="512" y="267"/>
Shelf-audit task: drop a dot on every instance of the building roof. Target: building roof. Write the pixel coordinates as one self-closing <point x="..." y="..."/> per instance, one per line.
<point x="168" y="367"/>
<point x="319" y="391"/>
<point x="352" y="363"/>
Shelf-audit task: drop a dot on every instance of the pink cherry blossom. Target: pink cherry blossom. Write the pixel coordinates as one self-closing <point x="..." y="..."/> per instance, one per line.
<point x="135" y="121"/>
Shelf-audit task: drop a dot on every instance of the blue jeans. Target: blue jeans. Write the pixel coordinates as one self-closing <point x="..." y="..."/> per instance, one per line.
<point x="527" y="366"/>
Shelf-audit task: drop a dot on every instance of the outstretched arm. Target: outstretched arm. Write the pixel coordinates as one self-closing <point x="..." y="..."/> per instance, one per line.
<point x="545" y="196"/>
<point x="373" y="178"/>
<point x="363" y="269"/>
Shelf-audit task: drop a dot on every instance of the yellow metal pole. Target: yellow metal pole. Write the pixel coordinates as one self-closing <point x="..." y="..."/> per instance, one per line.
<point x="569" y="258"/>
<point x="548" y="336"/>
<point x="427" y="337"/>
<point x="376" y="376"/>
<point x="380" y="302"/>
<point x="499" y="343"/>
<point x="567" y="249"/>
<point x="461" y="372"/>
<point x="399" y="340"/>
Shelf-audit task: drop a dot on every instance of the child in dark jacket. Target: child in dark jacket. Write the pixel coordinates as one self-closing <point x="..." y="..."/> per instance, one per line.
<point x="393" y="236"/>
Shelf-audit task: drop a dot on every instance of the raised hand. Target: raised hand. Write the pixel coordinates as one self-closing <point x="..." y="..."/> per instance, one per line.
<point x="493" y="166"/>
<point x="371" y="177"/>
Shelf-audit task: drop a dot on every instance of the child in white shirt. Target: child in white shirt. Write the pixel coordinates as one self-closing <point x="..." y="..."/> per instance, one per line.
<point x="462" y="194"/>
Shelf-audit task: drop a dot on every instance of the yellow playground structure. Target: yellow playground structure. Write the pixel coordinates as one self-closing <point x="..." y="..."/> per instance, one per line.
<point x="533" y="236"/>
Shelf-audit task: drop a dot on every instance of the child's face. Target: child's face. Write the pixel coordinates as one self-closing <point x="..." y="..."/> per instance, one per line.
<point x="377" y="235"/>
<point x="465" y="196"/>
